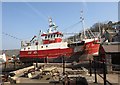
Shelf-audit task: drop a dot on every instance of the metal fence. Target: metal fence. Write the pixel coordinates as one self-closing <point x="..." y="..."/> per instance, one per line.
<point x="103" y="71"/>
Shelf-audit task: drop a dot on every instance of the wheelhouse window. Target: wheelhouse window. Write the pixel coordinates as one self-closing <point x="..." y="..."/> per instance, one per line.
<point x="54" y="35"/>
<point x="57" y="35"/>
<point x="48" y="36"/>
<point x="51" y="36"/>
<point x="45" y="37"/>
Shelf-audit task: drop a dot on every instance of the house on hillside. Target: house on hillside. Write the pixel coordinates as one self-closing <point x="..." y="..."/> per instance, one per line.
<point x="3" y="58"/>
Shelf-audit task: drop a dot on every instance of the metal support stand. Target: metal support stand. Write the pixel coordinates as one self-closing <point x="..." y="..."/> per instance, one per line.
<point x="5" y="66"/>
<point x="63" y="65"/>
<point x="47" y="59"/>
<point x="14" y="64"/>
<point x="36" y="64"/>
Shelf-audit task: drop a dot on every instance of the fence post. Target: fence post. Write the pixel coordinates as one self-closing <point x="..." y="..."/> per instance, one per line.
<point x="104" y="72"/>
<point x="119" y="78"/>
<point x="90" y="67"/>
<point x="95" y="72"/>
<point x="63" y="61"/>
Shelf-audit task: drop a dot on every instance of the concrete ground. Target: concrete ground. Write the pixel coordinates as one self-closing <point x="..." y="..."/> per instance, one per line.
<point x="112" y="78"/>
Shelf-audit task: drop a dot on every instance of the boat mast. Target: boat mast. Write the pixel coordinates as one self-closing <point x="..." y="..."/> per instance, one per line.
<point x="100" y="31"/>
<point x="50" y="25"/>
<point x="82" y="21"/>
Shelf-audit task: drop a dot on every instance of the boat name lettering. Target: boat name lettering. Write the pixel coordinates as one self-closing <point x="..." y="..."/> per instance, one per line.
<point x="35" y="52"/>
<point x="29" y="52"/>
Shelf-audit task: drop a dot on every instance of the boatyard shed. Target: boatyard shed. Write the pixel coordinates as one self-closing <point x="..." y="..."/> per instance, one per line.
<point x="112" y="53"/>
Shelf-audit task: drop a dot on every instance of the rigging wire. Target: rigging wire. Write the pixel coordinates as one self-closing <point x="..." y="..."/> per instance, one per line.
<point x="71" y="26"/>
<point x="92" y="33"/>
<point x="44" y="16"/>
<point x="11" y="36"/>
<point x="68" y="33"/>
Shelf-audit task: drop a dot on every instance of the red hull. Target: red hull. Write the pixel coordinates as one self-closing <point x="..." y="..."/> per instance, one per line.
<point x="53" y="53"/>
<point x="91" y="47"/>
<point x="88" y="49"/>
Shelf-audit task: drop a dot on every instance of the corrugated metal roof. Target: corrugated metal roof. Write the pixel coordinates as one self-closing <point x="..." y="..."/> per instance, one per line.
<point x="112" y="48"/>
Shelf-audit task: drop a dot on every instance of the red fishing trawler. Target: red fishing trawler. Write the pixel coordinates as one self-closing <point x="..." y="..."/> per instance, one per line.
<point x="50" y="47"/>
